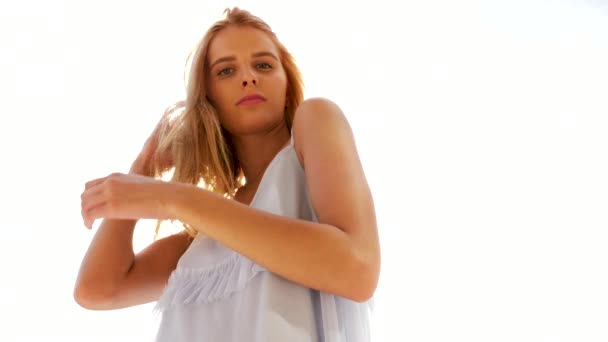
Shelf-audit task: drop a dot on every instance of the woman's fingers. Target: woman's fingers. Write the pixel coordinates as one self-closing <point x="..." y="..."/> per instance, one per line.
<point x="95" y="212"/>
<point x="88" y="222"/>
<point x="98" y="181"/>
<point x="119" y="196"/>
<point x="96" y="195"/>
<point x="92" y="197"/>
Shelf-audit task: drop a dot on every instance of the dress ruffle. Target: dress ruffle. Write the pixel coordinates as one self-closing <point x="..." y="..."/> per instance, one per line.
<point x="204" y="285"/>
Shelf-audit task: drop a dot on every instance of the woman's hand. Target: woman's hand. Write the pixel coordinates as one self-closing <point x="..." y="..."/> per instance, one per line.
<point x="143" y="163"/>
<point x="125" y="196"/>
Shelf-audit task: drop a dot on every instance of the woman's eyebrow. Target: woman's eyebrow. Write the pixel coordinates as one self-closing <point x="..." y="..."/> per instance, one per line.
<point x="265" y="53"/>
<point x="233" y="58"/>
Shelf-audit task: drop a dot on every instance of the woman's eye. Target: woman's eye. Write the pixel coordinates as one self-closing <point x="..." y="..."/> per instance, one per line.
<point x="264" y="66"/>
<point x="224" y="72"/>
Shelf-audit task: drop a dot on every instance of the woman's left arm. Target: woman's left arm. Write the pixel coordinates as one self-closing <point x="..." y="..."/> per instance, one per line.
<point x="339" y="255"/>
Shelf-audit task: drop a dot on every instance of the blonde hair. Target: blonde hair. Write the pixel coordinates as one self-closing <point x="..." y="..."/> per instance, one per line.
<point x="200" y="148"/>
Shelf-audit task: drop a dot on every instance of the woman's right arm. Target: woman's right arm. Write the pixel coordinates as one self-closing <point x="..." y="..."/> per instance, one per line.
<point x="111" y="276"/>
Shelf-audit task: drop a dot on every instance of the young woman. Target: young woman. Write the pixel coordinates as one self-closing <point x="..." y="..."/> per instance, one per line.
<point x="280" y="240"/>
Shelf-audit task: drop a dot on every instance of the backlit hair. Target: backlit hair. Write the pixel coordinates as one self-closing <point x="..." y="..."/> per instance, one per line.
<point x="199" y="146"/>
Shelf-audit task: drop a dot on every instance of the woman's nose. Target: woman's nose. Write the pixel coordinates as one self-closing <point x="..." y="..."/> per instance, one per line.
<point x="249" y="77"/>
<point x="251" y="81"/>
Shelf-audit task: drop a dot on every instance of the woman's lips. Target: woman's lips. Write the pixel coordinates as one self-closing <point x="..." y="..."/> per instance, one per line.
<point x="250" y="100"/>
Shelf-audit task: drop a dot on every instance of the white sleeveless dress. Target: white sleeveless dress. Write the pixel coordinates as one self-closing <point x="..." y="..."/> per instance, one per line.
<point x="216" y="294"/>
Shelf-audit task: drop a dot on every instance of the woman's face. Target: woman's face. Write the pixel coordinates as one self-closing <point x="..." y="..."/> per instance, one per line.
<point x="246" y="81"/>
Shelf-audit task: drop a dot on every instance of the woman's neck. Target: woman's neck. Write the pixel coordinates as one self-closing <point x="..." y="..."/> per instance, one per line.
<point x="256" y="152"/>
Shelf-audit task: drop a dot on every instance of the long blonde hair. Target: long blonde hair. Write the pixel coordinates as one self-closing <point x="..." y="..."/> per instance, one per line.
<point x="200" y="148"/>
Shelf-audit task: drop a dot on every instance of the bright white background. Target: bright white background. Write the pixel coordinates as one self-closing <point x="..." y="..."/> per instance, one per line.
<point x="482" y="127"/>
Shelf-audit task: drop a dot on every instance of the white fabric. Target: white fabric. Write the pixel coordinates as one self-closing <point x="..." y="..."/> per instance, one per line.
<point x="216" y="294"/>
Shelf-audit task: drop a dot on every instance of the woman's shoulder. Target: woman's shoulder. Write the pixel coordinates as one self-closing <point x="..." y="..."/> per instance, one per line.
<point x="318" y="108"/>
<point x="319" y="122"/>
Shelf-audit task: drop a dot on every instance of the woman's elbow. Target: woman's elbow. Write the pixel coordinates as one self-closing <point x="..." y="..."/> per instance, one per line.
<point x="364" y="292"/>
<point x="364" y="281"/>
<point x="92" y="297"/>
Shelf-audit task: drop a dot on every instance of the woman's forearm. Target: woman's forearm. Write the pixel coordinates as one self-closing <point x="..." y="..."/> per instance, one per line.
<point x="106" y="262"/>
<point x="316" y="255"/>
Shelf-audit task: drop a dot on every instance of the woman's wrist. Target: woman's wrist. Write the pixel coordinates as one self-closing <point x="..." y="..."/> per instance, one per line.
<point x="172" y="199"/>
